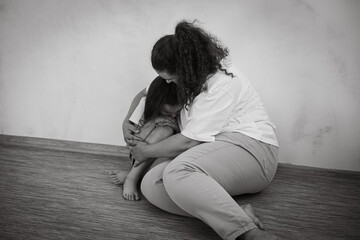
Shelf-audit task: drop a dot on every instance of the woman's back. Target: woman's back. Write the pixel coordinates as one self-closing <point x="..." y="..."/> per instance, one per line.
<point x="230" y="104"/>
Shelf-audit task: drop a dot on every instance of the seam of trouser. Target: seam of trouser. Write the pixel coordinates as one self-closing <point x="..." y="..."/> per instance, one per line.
<point x="193" y="164"/>
<point x="260" y="159"/>
<point x="207" y="153"/>
<point x="263" y="167"/>
<point x="201" y="169"/>
<point x="242" y="230"/>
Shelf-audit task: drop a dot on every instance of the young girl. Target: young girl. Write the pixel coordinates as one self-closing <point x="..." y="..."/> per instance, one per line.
<point x="155" y="123"/>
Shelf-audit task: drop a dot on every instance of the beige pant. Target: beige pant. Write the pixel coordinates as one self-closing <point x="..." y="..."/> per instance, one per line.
<point x="201" y="181"/>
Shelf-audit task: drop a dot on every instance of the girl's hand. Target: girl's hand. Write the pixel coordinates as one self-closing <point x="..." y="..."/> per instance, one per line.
<point x="129" y="130"/>
<point x="167" y="121"/>
<point x="137" y="151"/>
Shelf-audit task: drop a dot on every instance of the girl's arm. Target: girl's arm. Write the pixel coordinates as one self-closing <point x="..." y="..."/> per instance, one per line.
<point x="128" y="128"/>
<point x="171" y="147"/>
<point x="134" y="103"/>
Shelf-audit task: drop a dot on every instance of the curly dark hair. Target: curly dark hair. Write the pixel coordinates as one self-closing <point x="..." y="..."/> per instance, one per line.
<point x="159" y="93"/>
<point x="192" y="55"/>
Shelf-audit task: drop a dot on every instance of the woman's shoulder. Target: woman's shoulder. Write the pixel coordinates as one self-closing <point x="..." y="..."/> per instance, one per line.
<point x="228" y="76"/>
<point x="216" y="81"/>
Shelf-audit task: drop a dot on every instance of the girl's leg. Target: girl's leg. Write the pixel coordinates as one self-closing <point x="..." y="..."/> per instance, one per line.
<point x="130" y="189"/>
<point x="146" y="130"/>
<point x="200" y="181"/>
<point x="131" y="179"/>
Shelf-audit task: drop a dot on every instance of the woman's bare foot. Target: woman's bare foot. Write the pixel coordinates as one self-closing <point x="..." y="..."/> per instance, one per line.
<point x="130" y="191"/>
<point x="257" y="234"/>
<point x="118" y="177"/>
<point x="249" y="210"/>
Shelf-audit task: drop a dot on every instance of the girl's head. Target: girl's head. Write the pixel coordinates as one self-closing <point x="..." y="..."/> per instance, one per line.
<point x="161" y="99"/>
<point x="187" y="58"/>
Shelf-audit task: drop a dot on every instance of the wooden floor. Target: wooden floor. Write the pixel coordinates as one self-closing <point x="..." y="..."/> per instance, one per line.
<point x="56" y="194"/>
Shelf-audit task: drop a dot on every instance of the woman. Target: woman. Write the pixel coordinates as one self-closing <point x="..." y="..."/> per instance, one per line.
<point x="227" y="145"/>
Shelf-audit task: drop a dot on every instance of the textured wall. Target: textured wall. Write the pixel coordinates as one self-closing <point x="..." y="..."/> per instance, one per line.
<point x="69" y="69"/>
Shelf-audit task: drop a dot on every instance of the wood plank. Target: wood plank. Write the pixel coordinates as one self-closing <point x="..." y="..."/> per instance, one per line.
<point x="64" y="145"/>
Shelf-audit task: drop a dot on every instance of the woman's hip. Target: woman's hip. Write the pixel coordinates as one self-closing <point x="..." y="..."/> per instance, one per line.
<point x="233" y="166"/>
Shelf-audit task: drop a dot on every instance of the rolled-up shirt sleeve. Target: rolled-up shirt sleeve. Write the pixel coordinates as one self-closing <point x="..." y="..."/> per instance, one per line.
<point x="207" y="115"/>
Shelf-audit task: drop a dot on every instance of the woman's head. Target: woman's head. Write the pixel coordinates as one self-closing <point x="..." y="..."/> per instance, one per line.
<point x="188" y="56"/>
<point x="161" y="99"/>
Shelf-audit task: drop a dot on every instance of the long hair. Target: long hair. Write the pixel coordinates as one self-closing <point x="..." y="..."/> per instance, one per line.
<point x="191" y="54"/>
<point x="159" y="93"/>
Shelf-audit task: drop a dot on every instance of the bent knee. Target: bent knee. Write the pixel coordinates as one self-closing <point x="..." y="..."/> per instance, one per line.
<point x="159" y="133"/>
<point x="176" y="171"/>
<point x="152" y="179"/>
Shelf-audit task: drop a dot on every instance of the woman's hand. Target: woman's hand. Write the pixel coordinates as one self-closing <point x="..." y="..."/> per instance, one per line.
<point x="129" y="130"/>
<point x="137" y="151"/>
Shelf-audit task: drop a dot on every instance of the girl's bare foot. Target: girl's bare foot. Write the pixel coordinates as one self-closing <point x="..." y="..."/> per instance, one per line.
<point x="249" y="210"/>
<point x="130" y="191"/>
<point x="118" y="177"/>
<point x="257" y="234"/>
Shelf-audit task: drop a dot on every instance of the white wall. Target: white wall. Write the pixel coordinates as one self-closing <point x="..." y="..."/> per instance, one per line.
<point x="69" y="69"/>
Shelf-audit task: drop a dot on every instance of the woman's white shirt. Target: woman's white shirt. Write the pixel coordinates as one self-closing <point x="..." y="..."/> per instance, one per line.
<point x="230" y="104"/>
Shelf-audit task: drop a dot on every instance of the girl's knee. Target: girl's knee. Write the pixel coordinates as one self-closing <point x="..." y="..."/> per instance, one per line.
<point x="165" y="131"/>
<point x="159" y="133"/>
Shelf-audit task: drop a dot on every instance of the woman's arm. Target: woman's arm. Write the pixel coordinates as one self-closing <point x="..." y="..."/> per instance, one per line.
<point x="170" y="147"/>
<point x="128" y="128"/>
